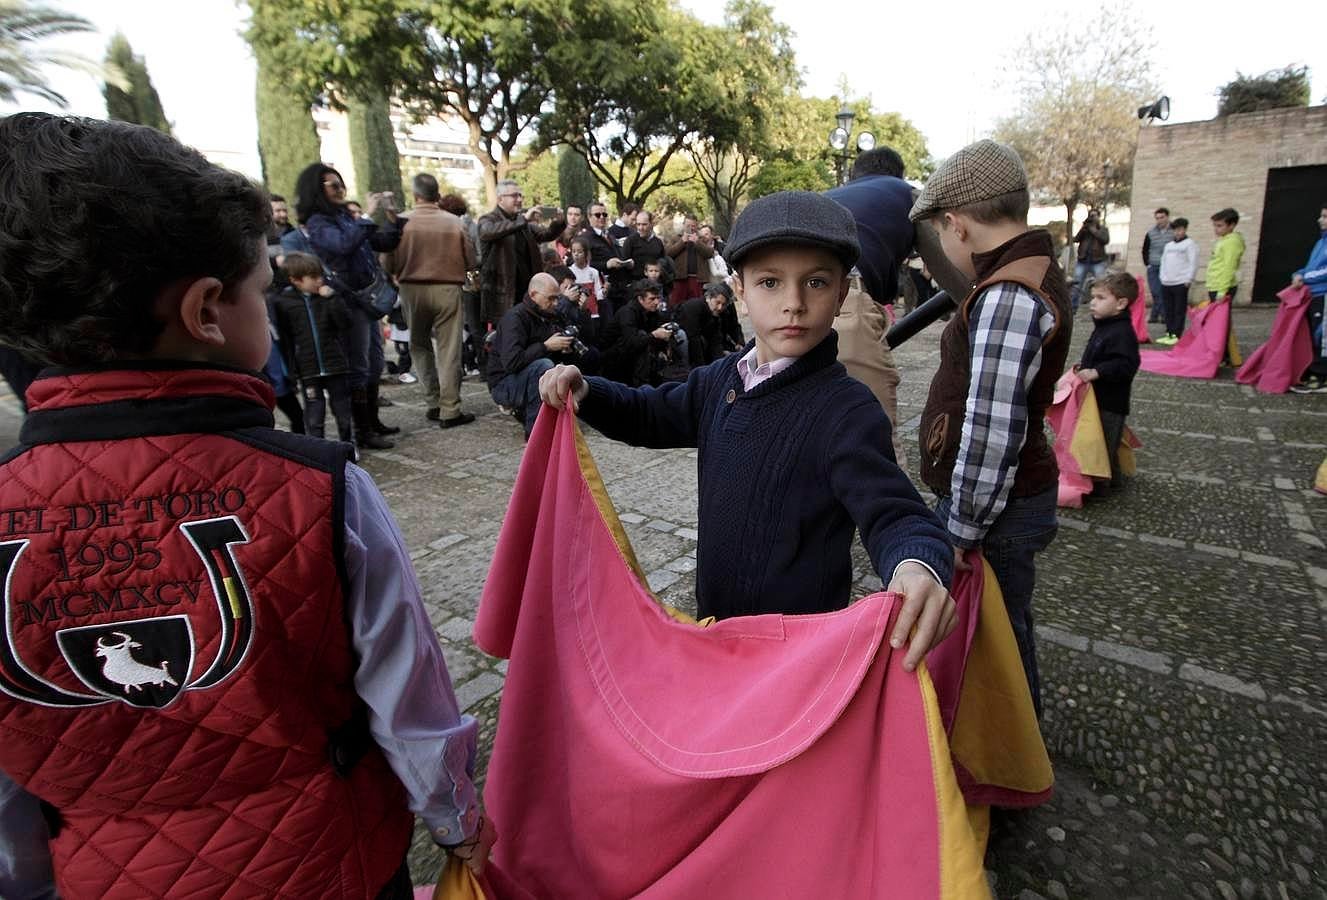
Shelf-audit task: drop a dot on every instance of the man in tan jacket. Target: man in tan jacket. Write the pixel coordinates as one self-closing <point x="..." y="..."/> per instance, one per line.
<point x="430" y="264"/>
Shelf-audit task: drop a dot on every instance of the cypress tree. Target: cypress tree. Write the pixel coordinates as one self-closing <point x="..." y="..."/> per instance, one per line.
<point x="373" y="146"/>
<point x="576" y="182"/>
<point x="287" y="137"/>
<point x="139" y="103"/>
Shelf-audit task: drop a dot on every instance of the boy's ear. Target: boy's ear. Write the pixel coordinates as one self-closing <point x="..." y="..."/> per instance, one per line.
<point x="844" y="285"/>
<point x="198" y="311"/>
<point x="739" y="294"/>
<point x="958" y="222"/>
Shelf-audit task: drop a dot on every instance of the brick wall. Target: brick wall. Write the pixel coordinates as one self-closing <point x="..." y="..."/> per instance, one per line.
<point x="1196" y="168"/>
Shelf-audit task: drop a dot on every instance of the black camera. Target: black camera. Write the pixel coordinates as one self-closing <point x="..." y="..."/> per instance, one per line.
<point x="674" y="331"/>
<point x="577" y="345"/>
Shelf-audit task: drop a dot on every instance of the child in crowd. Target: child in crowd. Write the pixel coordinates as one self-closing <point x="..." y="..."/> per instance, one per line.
<point x="311" y="321"/>
<point x="1223" y="271"/>
<point x="1179" y="265"/>
<point x="260" y="702"/>
<point x="1110" y="361"/>
<point x="794" y="454"/>
<point x="586" y="275"/>
<point x="984" y="449"/>
<point x="1227" y="252"/>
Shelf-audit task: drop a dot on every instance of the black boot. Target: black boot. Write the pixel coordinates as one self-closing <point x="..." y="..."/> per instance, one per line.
<point x="365" y="435"/>
<point x="378" y="426"/>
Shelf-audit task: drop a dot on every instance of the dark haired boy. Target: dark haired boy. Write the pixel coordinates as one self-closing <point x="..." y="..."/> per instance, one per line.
<point x="1179" y="265"/>
<point x="220" y="679"/>
<point x="1110" y="361"/>
<point x="983" y="447"/>
<point x="1227" y="253"/>
<point x="1223" y="272"/>
<point x="794" y="454"/>
<point x="311" y="321"/>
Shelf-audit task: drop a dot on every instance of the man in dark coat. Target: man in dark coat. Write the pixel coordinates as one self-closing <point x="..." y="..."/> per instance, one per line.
<point x="509" y="250"/>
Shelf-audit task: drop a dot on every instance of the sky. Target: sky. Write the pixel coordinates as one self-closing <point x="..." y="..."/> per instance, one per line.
<point x="952" y="84"/>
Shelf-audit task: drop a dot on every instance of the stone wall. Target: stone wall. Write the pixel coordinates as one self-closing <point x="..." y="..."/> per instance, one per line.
<point x="1197" y="168"/>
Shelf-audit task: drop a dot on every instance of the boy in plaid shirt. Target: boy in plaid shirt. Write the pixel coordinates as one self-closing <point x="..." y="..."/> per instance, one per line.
<point x="983" y="446"/>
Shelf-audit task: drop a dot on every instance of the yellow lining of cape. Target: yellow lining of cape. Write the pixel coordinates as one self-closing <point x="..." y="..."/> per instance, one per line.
<point x="995" y="734"/>
<point x="959" y="854"/>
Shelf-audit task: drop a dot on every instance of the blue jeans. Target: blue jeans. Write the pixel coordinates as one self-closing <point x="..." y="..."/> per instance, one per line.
<point x="363" y="346"/>
<point x="1024" y="529"/>
<point x="521" y="391"/>
<point x="1081" y="271"/>
<point x="1158" y="295"/>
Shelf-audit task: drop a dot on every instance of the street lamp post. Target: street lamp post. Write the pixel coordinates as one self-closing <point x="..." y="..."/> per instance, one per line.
<point x="839" y="139"/>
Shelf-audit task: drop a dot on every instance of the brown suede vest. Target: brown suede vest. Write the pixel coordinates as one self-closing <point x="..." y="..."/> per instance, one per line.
<point x="1026" y="260"/>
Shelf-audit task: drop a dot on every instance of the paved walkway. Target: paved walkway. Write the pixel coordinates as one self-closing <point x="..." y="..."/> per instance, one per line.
<point x="1181" y="627"/>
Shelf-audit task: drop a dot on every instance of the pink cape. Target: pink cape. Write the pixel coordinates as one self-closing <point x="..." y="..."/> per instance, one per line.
<point x="1080" y="441"/>
<point x="640" y="754"/>
<point x="1138" y="313"/>
<point x="1280" y="362"/>
<point x="1198" y="354"/>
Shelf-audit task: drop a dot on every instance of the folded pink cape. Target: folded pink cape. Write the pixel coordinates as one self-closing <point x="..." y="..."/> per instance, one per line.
<point x="1198" y="354"/>
<point x="1138" y="312"/>
<point x="1080" y="441"/>
<point x="1280" y="362"/>
<point x="640" y="754"/>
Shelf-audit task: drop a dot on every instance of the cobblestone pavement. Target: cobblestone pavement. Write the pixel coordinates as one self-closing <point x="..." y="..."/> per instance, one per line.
<point x="1181" y="627"/>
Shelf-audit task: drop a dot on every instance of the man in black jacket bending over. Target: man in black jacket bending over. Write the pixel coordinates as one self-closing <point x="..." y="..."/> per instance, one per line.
<point x="528" y="344"/>
<point x="638" y="334"/>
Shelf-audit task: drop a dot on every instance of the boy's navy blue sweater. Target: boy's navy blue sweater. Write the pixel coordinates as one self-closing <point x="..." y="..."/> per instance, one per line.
<point x="786" y="471"/>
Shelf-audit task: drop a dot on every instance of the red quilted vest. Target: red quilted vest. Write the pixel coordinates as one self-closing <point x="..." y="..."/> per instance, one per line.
<point x="176" y="663"/>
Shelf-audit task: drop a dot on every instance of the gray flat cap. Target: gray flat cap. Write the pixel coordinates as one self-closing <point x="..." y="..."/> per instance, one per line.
<point x="794" y="217"/>
<point x="978" y="172"/>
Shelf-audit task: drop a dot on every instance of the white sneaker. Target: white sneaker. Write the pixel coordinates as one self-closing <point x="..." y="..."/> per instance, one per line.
<point x="406" y="378"/>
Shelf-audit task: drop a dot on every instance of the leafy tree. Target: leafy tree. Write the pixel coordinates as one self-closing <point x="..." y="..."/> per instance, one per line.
<point x="1076" y="126"/>
<point x="490" y="63"/>
<point x="1271" y="90"/>
<point x="23" y="28"/>
<point x="686" y="192"/>
<point x="802" y="159"/>
<point x="373" y="144"/>
<point x="637" y="91"/>
<point x="137" y="102"/>
<point x="787" y="173"/>
<point x="576" y="182"/>
<point x="758" y="73"/>
<point x="287" y="136"/>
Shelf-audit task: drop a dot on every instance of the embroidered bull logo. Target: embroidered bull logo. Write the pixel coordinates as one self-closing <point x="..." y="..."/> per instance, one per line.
<point x="121" y="667"/>
<point x="103" y="656"/>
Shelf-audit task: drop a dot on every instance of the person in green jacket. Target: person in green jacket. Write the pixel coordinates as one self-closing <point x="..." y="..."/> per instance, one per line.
<point x="1223" y="267"/>
<point x="1223" y="272"/>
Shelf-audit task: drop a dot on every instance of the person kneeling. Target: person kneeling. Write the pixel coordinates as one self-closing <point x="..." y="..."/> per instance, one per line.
<point x="529" y="342"/>
<point x="642" y="342"/>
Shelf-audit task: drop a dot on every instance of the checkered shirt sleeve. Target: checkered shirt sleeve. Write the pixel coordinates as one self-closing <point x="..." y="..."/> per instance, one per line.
<point x="1008" y="322"/>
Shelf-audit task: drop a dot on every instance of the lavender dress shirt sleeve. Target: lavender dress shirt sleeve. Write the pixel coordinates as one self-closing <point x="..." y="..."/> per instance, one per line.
<point x="402" y="677"/>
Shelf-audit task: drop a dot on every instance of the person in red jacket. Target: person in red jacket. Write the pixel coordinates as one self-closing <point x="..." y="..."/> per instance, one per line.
<point x="217" y="677"/>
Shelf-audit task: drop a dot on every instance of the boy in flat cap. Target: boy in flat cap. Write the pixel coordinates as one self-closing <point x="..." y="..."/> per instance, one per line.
<point x="793" y="452"/>
<point x="983" y="447"/>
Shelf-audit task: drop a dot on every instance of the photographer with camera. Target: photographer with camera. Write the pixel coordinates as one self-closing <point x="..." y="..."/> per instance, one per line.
<point x="641" y="338"/>
<point x="529" y="341"/>
<point x="700" y="318"/>
<point x="577" y="318"/>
